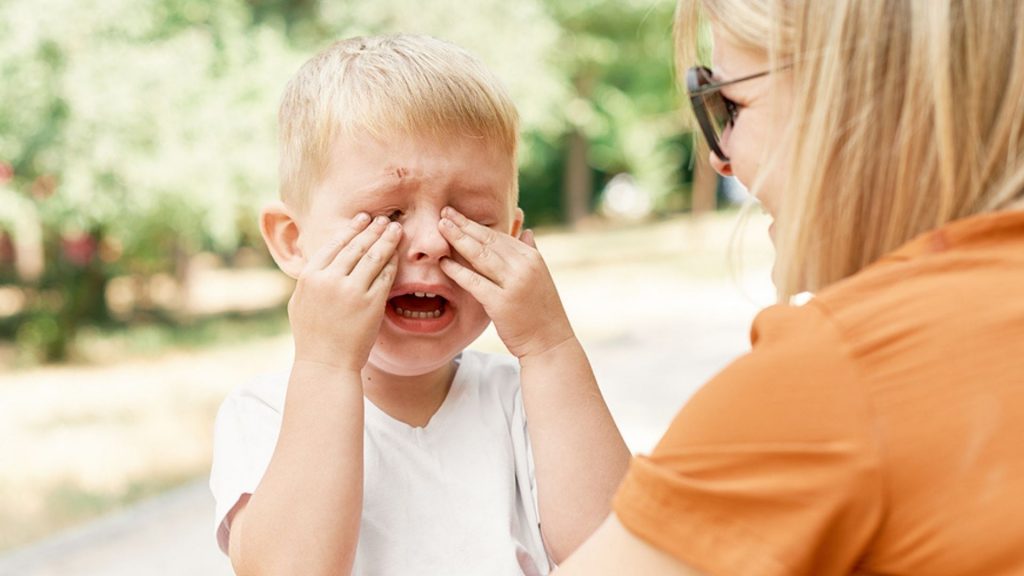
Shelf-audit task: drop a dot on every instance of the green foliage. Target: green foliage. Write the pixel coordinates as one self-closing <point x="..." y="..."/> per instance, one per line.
<point x="141" y="130"/>
<point x="146" y="127"/>
<point x="618" y="56"/>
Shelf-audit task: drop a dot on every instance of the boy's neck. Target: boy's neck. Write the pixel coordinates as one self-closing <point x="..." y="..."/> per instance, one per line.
<point x="409" y="399"/>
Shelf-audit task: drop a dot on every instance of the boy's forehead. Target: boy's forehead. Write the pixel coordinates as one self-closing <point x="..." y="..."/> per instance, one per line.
<point x="369" y="168"/>
<point x="403" y="179"/>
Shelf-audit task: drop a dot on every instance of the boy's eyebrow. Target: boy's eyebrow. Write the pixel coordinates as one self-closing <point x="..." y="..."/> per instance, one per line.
<point x="375" y="189"/>
<point x="477" y="195"/>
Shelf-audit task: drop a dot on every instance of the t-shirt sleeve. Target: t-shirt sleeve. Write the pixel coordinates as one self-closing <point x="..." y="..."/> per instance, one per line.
<point x="772" y="468"/>
<point x="245" y="434"/>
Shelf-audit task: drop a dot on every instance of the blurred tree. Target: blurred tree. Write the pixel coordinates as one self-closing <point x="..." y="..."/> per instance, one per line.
<point x="593" y="80"/>
<point x="623" y="114"/>
<point x="136" y="131"/>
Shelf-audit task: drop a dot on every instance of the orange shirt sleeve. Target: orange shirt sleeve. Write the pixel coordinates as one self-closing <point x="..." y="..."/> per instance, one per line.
<point x="772" y="468"/>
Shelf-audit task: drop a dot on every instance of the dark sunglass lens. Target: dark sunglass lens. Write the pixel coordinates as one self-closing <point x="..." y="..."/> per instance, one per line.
<point x="719" y="111"/>
<point x="713" y="111"/>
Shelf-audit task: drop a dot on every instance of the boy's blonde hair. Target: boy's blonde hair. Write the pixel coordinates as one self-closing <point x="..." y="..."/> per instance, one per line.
<point x="399" y="86"/>
<point x="907" y="114"/>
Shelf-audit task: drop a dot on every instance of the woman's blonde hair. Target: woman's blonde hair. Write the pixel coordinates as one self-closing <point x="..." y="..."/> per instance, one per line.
<point x="907" y="114"/>
<point x="399" y="86"/>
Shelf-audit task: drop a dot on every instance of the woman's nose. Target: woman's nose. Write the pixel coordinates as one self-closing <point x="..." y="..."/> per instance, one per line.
<point x="723" y="167"/>
<point x="423" y="239"/>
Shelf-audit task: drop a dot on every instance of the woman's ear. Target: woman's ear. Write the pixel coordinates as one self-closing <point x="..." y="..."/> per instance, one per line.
<point x="281" y="233"/>
<point x="517" y="222"/>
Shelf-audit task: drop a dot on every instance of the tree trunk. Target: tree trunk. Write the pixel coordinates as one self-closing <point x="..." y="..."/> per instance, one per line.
<point x="579" y="182"/>
<point x="183" y="281"/>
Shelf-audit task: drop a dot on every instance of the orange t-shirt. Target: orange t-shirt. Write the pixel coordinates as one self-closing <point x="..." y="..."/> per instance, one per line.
<point x="878" y="429"/>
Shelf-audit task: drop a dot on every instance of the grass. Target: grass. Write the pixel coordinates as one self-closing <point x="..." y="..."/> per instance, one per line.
<point x="115" y="342"/>
<point x="110" y="344"/>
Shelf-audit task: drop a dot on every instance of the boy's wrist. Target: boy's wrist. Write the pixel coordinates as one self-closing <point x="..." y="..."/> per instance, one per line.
<point x="556" y="346"/>
<point x="326" y="371"/>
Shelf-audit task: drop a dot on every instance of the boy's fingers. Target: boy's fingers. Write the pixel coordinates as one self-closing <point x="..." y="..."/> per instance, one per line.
<point x="480" y="287"/>
<point x="502" y="244"/>
<point x="482" y="256"/>
<point x="384" y="280"/>
<point x="527" y="238"/>
<point x="322" y="257"/>
<point x="347" y="258"/>
<point x="478" y="232"/>
<point x="378" y="256"/>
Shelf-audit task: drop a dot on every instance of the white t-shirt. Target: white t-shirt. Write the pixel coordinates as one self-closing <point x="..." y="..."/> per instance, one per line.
<point x="454" y="497"/>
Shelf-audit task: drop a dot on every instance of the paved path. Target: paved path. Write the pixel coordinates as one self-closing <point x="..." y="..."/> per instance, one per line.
<point x="170" y="535"/>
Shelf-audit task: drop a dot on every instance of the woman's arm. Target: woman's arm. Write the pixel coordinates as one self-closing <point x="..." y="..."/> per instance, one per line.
<point x="614" y="550"/>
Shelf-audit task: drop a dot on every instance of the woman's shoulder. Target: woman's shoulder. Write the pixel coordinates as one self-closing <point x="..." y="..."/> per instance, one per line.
<point x="940" y="304"/>
<point x="797" y="383"/>
<point x="962" y="270"/>
<point x="934" y="324"/>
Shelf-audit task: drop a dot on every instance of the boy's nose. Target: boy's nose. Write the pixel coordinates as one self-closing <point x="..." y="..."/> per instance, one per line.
<point x="423" y="239"/>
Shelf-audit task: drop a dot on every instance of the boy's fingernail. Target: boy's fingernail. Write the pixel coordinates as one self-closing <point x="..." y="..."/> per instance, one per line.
<point x="362" y="217"/>
<point x="394" y="227"/>
<point x="380" y="220"/>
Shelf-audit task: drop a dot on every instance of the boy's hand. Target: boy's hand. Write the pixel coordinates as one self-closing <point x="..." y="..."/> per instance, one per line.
<point x="339" y="299"/>
<point x="510" y="279"/>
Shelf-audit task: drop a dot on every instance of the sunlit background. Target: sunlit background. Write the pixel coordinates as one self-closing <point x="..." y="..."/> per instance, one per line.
<point x="137" y="144"/>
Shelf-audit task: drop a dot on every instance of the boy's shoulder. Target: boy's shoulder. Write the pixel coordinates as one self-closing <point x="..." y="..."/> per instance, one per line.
<point x="266" y="390"/>
<point x="489" y="372"/>
<point x="489" y="365"/>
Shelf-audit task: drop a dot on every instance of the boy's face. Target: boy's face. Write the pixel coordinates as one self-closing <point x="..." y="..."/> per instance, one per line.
<point x="429" y="318"/>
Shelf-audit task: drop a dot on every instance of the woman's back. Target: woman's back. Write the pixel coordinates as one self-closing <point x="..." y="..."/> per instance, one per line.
<point x="937" y="331"/>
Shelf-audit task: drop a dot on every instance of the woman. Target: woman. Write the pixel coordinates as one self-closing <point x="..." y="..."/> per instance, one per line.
<point x="878" y="429"/>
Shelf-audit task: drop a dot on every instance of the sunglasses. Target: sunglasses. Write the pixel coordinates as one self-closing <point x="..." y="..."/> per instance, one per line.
<point x="714" y="111"/>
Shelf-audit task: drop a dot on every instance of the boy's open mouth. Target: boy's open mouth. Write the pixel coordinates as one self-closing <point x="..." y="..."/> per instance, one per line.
<point x="418" y="305"/>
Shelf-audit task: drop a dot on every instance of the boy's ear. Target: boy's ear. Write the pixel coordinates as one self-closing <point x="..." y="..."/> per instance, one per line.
<point x="281" y="233"/>
<point x="517" y="222"/>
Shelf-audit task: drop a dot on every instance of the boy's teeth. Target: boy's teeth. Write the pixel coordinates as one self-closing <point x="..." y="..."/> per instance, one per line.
<point x="419" y="315"/>
<point x="420" y="294"/>
<point x="430" y="295"/>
